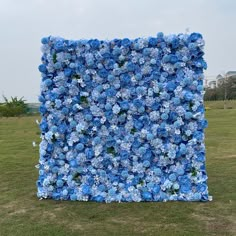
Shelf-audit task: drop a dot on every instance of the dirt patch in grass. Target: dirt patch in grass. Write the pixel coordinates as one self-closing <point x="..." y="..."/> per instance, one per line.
<point x="18" y="212"/>
<point x="218" y="224"/>
<point x="14" y="208"/>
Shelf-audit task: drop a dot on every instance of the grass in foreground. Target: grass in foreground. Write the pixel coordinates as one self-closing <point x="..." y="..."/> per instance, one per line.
<point x="21" y="213"/>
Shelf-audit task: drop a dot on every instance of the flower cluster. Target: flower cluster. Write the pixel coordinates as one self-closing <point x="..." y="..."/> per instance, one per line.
<point x="123" y="120"/>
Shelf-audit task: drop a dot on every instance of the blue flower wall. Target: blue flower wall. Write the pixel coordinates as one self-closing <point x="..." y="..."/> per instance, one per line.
<point x="123" y="120"/>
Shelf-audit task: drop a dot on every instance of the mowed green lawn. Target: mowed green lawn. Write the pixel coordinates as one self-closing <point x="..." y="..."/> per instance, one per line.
<point x="21" y="213"/>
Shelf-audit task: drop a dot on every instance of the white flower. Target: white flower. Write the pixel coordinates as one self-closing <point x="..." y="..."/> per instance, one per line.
<point x="116" y="109"/>
<point x="103" y="120"/>
<point x="98" y="150"/>
<point x="80" y="127"/>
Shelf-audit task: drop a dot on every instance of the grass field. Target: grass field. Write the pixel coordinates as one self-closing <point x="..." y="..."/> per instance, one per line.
<point x="21" y="213"/>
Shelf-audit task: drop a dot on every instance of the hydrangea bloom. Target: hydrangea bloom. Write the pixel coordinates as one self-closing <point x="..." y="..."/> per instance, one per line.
<point x="123" y="120"/>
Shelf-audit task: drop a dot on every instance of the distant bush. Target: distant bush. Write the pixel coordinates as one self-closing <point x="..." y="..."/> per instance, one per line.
<point x="230" y="104"/>
<point x="13" y="107"/>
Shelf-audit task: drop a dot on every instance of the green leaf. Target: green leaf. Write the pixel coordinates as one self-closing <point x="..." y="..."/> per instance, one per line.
<point x="194" y="171"/>
<point x="76" y="177"/>
<point x="54" y="58"/>
<point x="191" y="104"/>
<point x="173" y="191"/>
<point x="83" y="132"/>
<point x="111" y="150"/>
<point x="141" y="182"/>
<point x="84" y="99"/>
<point x="122" y="112"/>
<point x="76" y="77"/>
<point x="121" y="63"/>
<point x="133" y="130"/>
<point x="54" y="138"/>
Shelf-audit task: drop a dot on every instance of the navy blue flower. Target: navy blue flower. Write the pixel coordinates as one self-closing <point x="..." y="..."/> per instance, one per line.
<point x="95" y="43"/>
<point x="152" y="41"/>
<point x="194" y="37"/>
<point x="89" y="153"/>
<point x="173" y="58"/>
<point x="125" y="42"/>
<point x="125" y="80"/>
<point x="103" y="73"/>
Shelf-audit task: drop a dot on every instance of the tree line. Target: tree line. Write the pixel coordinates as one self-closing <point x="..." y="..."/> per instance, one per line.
<point x="226" y="90"/>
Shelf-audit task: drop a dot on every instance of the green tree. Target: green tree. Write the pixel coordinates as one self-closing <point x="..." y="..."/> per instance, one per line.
<point x="13" y="107"/>
<point x="226" y="90"/>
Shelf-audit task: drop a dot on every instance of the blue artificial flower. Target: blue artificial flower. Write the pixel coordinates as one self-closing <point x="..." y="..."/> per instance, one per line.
<point x="42" y="68"/>
<point x="130" y="67"/>
<point x="125" y="42"/>
<point x="146" y="163"/>
<point x="67" y="72"/>
<point x="59" y="45"/>
<point x="202" y="187"/>
<point x="176" y="101"/>
<point x="188" y="96"/>
<point x="89" y="153"/>
<point x="59" y="183"/>
<point x="172" y="177"/>
<point x="152" y="41"/>
<point x="138" y="124"/>
<point x="86" y="189"/>
<point x="73" y="163"/>
<point x="80" y="146"/>
<point x="45" y="40"/>
<point x="156" y="189"/>
<point x="73" y="197"/>
<point x="98" y="198"/>
<point x="103" y="73"/>
<point x="182" y="149"/>
<point x="94" y="44"/>
<point x="48" y="82"/>
<point x="111" y="92"/>
<point x="150" y="136"/>
<point x="171" y="86"/>
<point x="147" y="196"/>
<point x="164" y="116"/>
<point x="194" y="37"/>
<point x="188" y="115"/>
<point x="173" y="58"/>
<point x="185" y="187"/>
<point x="125" y="80"/>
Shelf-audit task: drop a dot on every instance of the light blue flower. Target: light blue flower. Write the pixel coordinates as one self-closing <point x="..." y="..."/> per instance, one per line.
<point x="172" y="177"/>
<point x="80" y="146"/>
<point x="59" y="183"/>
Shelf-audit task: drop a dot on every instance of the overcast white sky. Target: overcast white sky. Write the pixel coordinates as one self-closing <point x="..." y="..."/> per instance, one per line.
<point x="24" y="22"/>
